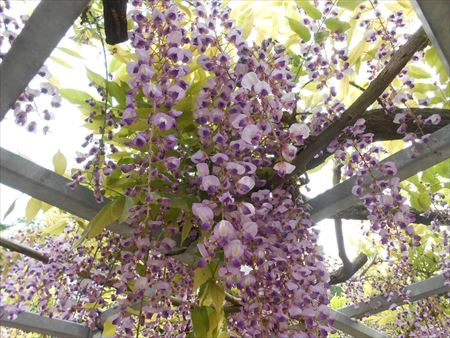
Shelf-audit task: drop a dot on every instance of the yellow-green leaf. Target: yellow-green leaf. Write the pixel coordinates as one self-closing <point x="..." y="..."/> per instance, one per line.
<point x="100" y="221"/>
<point x="187" y="226"/>
<point x="299" y="28"/>
<point x="59" y="163"/>
<point x="32" y="208"/>
<point x="61" y="62"/>
<point x="309" y="9"/>
<point x="336" y="25"/>
<point x="418" y="73"/>
<point x="109" y="329"/>
<point x="70" y="52"/>
<point x="201" y="276"/>
<point x="348" y="4"/>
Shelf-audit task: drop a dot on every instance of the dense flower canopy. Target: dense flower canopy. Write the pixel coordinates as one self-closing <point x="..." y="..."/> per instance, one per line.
<point x="196" y="140"/>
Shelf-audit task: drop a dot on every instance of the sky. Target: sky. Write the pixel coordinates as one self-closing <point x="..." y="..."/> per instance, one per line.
<point x="67" y="135"/>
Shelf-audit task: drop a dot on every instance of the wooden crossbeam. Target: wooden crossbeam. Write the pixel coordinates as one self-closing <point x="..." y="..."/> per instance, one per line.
<point x="353" y="327"/>
<point x="30" y="322"/>
<point x="340" y="197"/>
<point x="41" y="34"/>
<point x="430" y="287"/>
<point x="434" y="16"/>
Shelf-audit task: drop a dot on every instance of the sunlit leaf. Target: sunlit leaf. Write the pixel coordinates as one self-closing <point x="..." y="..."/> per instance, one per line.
<point x="309" y="9"/>
<point x="75" y="96"/>
<point x="336" y="25"/>
<point x="200" y="320"/>
<point x="201" y="276"/>
<point x="349" y="4"/>
<point x="300" y="29"/>
<point x="418" y="73"/>
<point x="61" y="62"/>
<point x="71" y="52"/>
<point x="59" y="163"/>
<point x="32" y="209"/>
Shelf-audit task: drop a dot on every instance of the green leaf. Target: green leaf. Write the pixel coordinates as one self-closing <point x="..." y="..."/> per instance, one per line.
<point x="201" y="276"/>
<point x="96" y="78"/>
<point x="321" y="36"/>
<point x="216" y="294"/>
<point x="70" y="52"/>
<point x="187" y="227"/>
<point x="117" y="207"/>
<point x="300" y="29"/>
<point x="200" y="320"/>
<point x="418" y="73"/>
<point x="100" y="221"/>
<point x="309" y="9"/>
<point x="61" y="62"/>
<point x="349" y="4"/>
<point x="32" y="208"/>
<point x="75" y="96"/>
<point x="59" y="163"/>
<point x="126" y="209"/>
<point x="443" y="168"/>
<point x="336" y="25"/>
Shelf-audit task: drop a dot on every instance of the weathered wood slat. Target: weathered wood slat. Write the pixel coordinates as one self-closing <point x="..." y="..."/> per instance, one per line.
<point x="340" y="197"/>
<point x="430" y="287"/>
<point x="41" y="34"/>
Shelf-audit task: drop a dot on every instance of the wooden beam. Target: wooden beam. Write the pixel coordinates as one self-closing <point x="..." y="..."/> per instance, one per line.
<point x="353" y="327"/>
<point x="430" y="287"/>
<point x="30" y="322"/>
<point x="340" y="197"/>
<point x="41" y="34"/>
<point x="47" y="186"/>
<point x="434" y="16"/>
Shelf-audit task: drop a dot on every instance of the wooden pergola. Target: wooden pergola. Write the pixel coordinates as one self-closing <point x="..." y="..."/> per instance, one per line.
<point x="42" y="33"/>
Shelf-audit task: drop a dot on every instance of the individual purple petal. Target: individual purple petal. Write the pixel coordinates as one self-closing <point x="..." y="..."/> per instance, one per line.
<point x="262" y="88"/>
<point x="250" y="229"/>
<point x="210" y="183"/>
<point x="202" y="169"/>
<point x="140" y="140"/>
<point x="288" y="151"/>
<point x="164" y="121"/>
<point x="245" y="184"/>
<point x="251" y="134"/>
<point x="224" y="229"/>
<point x="249" y="80"/>
<point x="199" y="156"/>
<point x="283" y="168"/>
<point x="298" y="132"/>
<point x="234" y="249"/>
<point x="235" y="168"/>
<point x="172" y="163"/>
<point x="203" y="213"/>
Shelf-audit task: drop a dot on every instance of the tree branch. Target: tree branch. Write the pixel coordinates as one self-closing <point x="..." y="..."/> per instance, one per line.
<point x="417" y="42"/>
<point x="24" y="250"/>
<point x="384" y="129"/>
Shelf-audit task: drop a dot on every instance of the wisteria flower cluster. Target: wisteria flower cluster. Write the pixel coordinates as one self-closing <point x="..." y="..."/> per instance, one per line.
<point x="189" y="156"/>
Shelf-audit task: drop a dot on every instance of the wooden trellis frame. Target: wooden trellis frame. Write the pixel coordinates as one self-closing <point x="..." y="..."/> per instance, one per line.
<point x="46" y="27"/>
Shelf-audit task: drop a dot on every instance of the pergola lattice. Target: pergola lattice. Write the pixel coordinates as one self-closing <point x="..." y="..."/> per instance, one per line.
<point x="51" y="20"/>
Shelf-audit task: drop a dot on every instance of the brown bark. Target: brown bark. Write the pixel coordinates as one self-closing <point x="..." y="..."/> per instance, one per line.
<point x="385" y="130"/>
